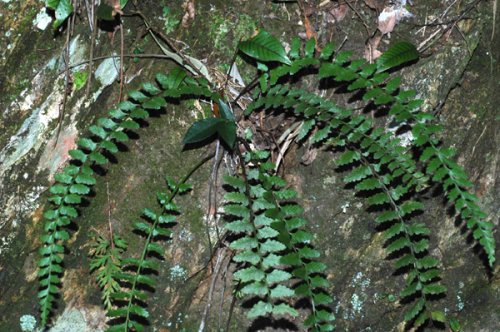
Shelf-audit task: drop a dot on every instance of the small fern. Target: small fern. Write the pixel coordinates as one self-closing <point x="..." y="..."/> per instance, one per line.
<point x="130" y="299"/>
<point x="106" y="262"/>
<point x="271" y="240"/>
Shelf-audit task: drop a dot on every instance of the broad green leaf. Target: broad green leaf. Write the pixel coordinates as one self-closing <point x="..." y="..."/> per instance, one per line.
<point x="225" y="112"/>
<point x="264" y="47"/>
<point x="227" y="132"/>
<point x="105" y="12"/>
<point x="201" y="130"/>
<point x="63" y="9"/>
<point x="396" y="55"/>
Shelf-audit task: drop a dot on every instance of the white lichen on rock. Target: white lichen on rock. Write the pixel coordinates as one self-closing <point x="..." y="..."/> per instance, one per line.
<point x="27" y="323"/>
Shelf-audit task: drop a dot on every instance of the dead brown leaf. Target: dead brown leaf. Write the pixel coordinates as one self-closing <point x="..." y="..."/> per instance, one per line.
<point x="189" y="13"/>
<point x="387" y="20"/>
<point x="377" y="5"/>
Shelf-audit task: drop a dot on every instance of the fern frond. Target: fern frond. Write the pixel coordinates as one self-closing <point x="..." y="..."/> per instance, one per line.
<point x="407" y="241"/>
<point x="272" y="240"/>
<point x="76" y="180"/>
<point x="130" y="299"/>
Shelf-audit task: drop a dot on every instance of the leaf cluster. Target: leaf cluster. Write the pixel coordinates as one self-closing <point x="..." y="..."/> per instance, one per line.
<point x="75" y="181"/>
<point x="382" y="168"/>
<point x="272" y="245"/>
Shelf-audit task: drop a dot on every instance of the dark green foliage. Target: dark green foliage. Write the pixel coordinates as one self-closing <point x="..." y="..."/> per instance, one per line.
<point x="106" y="263"/>
<point x="275" y="261"/>
<point x="76" y="180"/>
<point x="381" y="165"/>
<point x="135" y="274"/>
<point x="271" y="240"/>
<point x="62" y="9"/>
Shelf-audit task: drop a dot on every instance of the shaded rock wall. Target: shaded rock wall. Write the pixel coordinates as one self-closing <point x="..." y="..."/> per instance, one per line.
<point x="456" y="78"/>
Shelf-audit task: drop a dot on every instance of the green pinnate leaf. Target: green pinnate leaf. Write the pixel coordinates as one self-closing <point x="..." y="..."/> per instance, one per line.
<point x="80" y="189"/>
<point x="85" y="179"/>
<point x="78" y="155"/>
<point x="277" y="276"/>
<point x="272" y="246"/>
<point x="255" y="288"/>
<point x="398" y="244"/>
<point x="249" y="274"/>
<point x="98" y="158"/>
<point x="261" y="308"/>
<point x="434" y="289"/>
<point x="348" y="157"/>
<point x="281" y="291"/>
<point x="119" y="136"/>
<point x="247" y="256"/>
<point x="110" y="146"/>
<point x="284" y="309"/>
<point x="137" y="96"/>
<point x="129" y="124"/>
<point x="98" y="131"/>
<point x="244" y="243"/>
<point x="106" y="123"/>
<point x="427" y="262"/>
<point x="155" y="103"/>
<point x="416" y="308"/>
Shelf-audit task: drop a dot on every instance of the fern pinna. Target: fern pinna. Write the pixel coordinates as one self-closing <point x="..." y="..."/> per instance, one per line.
<point x="381" y="165"/>
<point x="270" y="240"/>
<point x="76" y="180"/>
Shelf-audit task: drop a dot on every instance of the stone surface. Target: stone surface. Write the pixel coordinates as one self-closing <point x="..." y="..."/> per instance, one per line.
<point x="458" y="78"/>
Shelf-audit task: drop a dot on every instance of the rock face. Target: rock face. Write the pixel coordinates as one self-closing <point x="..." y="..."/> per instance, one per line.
<point x="457" y="78"/>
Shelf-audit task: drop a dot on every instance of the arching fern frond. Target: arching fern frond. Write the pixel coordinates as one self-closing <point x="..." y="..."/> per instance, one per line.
<point x="77" y="179"/>
<point x="272" y="240"/>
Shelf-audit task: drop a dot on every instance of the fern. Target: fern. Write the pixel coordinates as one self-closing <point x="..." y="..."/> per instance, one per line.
<point x="77" y="179"/>
<point x="382" y="166"/>
<point x="106" y="262"/>
<point x="271" y="240"/>
<point x="130" y="311"/>
<point x="274" y="258"/>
